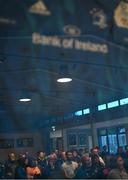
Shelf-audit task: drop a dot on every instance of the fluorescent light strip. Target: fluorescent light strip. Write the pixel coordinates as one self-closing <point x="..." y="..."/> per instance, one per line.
<point x="123" y="101"/>
<point x="102" y="107"/>
<point x="24" y="100"/>
<point x="64" y="80"/>
<point x="113" y="104"/>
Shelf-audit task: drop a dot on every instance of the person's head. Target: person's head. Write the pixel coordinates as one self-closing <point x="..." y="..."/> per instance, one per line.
<point x="81" y="152"/>
<point x="22" y="160"/>
<point x="119" y="162"/>
<point x="32" y="162"/>
<point x="74" y="153"/>
<point x="41" y="154"/>
<point x="56" y="152"/>
<point x="120" y="149"/>
<point x="12" y="156"/>
<point x="86" y="161"/>
<point x="95" y="159"/>
<point x="69" y="155"/>
<point x="95" y="151"/>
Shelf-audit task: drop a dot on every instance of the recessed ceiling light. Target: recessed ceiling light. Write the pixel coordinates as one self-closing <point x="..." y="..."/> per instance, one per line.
<point x="64" y="80"/>
<point x="24" y="99"/>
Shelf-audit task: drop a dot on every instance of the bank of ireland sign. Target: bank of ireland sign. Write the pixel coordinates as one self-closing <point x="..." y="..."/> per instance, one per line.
<point x="69" y="43"/>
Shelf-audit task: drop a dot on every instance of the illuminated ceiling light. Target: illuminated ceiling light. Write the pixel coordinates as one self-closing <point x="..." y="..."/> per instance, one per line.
<point x="25" y="96"/>
<point x="64" y="76"/>
<point x="64" y="80"/>
<point x="24" y="99"/>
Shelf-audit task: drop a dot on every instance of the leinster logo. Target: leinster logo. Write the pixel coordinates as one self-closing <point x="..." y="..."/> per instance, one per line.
<point x="99" y="18"/>
<point x="121" y="15"/>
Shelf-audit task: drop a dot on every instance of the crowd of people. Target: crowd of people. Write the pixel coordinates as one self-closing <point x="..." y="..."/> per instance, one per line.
<point x="72" y="164"/>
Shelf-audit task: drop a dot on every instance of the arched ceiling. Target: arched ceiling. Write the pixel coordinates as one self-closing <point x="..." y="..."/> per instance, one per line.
<point x="39" y="36"/>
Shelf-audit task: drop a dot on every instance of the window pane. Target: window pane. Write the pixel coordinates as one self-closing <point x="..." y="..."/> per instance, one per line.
<point x="113" y="104"/>
<point x="82" y="139"/>
<point x="124" y="101"/>
<point x="86" y="111"/>
<point x="112" y="131"/>
<point x="121" y="130"/>
<point x="102" y="132"/>
<point x="122" y="140"/>
<point x="72" y="139"/>
<point x="78" y="113"/>
<point x="102" y="107"/>
<point x="103" y="140"/>
<point x="112" y="143"/>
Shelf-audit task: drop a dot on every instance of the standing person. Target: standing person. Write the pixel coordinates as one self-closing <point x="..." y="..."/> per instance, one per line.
<point x="120" y="152"/>
<point x="97" y="166"/>
<point x="43" y="164"/>
<point x="119" y="172"/>
<point x="126" y="151"/>
<point x="85" y="171"/>
<point x="32" y="170"/>
<point x="108" y="164"/>
<point x="69" y="167"/>
<point x="96" y="153"/>
<point x="104" y="153"/>
<point x="52" y="160"/>
<point x="20" y="172"/>
<point x="126" y="159"/>
<point x="76" y="157"/>
<point x="10" y="166"/>
<point x="59" y="160"/>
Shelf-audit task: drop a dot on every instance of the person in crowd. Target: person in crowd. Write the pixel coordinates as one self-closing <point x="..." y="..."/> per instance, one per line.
<point x="52" y="160"/>
<point x="126" y="151"/>
<point x="60" y="159"/>
<point x="81" y="152"/>
<point x="105" y="152"/>
<point x="98" y="167"/>
<point x="85" y="171"/>
<point x="63" y="155"/>
<point x="120" y="152"/>
<point x="109" y="164"/>
<point x="33" y="170"/>
<point x="2" y="170"/>
<point x="119" y="171"/>
<point x="76" y="157"/>
<point x="42" y="161"/>
<point x="126" y="155"/>
<point x="69" y="167"/>
<point x="10" y="166"/>
<point x="20" y="172"/>
<point x="96" y="151"/>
